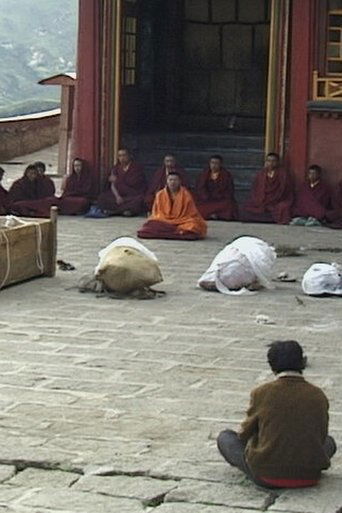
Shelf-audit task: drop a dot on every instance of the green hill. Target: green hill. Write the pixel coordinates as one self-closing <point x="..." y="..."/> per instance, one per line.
<point x="37" y="39"/>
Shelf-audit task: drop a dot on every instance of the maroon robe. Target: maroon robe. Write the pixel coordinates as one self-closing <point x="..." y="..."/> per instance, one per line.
<point x="45" y="187"/>
<point x="158" y="183"/>
<point x="131" y="185"/>
<point x="24" y="199"/>
<point x="77" y="194"/>
<point x="312" y="201"/>
<point x="3" y="201"/>
<point x="334" y="214"/>
<point x="216" y="197"/>
<point x="271" y="199"/>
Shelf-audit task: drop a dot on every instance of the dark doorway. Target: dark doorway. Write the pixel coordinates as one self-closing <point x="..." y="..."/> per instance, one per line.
<point x="202" y="65"/>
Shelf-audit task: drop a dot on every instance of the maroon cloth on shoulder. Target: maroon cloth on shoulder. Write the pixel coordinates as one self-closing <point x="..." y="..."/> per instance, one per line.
<point x="3" y="201"/>
<point x="216" y="197"/>
<point x="158" y="183"/>
<point x="23" y="189"/>
<point x="270" y="199"/>
<point x="162" y="230"/>
<point x="77" y="194"/>
<point x="131" y="185"/>
<point x="334" y="215"/>
<point x="312" y="201"/>
<point x="24" y="199"/>
<point x="45" y="187"/>
<point x="79" y="185"/>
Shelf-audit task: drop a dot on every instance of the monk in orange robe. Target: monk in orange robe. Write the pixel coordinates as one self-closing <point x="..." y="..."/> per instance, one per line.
<point x="158" y="181"/>
<point x="174" y="214"/>
<point x="215" y="192"/>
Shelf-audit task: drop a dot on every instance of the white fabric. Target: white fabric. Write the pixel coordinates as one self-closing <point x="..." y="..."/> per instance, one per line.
<point x="323" y="279"/>
<point x="239" y="264"/>
<point x="127" y="242"/>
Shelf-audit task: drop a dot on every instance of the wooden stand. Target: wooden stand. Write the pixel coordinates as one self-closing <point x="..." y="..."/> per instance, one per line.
<point x="28" y="250"/>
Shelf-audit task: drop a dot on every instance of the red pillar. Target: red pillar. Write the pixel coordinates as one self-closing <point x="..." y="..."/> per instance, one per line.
<point x="302" y="47"/>
<point x="86" y="136"/>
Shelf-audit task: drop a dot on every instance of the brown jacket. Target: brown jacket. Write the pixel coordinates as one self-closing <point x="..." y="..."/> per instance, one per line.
<point x="285" y="429"/>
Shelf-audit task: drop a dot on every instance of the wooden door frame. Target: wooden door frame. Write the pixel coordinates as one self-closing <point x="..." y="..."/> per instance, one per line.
<point x="277" y="77"/>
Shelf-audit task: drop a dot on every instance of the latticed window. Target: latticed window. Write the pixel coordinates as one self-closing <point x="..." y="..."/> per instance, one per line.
<point x="129" y="50"/>
<point x="334" y="39"/>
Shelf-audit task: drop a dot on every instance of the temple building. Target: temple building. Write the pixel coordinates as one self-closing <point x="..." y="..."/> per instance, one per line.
<point x="239" y="77"/>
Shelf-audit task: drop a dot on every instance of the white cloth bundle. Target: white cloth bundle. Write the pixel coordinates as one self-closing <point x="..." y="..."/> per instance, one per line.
<point x="323" y="279"/>
<point x="245" y="261"/>
<point x="126" y="265"/>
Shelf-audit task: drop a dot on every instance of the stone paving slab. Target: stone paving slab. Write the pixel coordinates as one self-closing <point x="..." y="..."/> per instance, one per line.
<point x="325" y="498"/>
<point x="220" y="494"/>
<point x="183" y="507"/>
<point x="144" y="387"/>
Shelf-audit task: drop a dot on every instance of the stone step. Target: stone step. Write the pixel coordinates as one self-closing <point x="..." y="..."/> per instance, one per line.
<point x="178" y="140"/>
<point x="190" y="157"/>
<point x="243" y="176"/>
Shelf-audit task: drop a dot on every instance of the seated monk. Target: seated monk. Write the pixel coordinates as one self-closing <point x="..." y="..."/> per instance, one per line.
<point x="174" y="214"/>
<point x="125" y="188"/>
<point x="334" y="215"/>
<point x="3" y="195"/>
<point x="158" y="181"/>
<point x="77" y="189"/>
<point x="313" y="199"/>
<point x="45" y="186"/>
<point x="271" y="196"/>
<point x="215" y="192"/>
<point x="24" y="199"/>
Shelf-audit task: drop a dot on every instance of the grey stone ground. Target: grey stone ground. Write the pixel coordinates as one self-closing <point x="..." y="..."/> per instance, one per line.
<point x="114" y="406"/>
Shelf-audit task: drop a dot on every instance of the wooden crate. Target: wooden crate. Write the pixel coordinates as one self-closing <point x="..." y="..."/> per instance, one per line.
<point x="29" y="250"/>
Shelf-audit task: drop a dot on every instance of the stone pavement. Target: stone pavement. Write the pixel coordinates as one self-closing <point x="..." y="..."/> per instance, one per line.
<point x="113" y="406"/>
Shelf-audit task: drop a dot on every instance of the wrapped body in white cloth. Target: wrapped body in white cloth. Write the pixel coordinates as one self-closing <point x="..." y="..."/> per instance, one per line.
<point x="243" y="265"/>
<point x="322" y="279"/>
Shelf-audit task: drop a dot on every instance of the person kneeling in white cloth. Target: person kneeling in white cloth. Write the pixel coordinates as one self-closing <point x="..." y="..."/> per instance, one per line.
<point x="242" y="267"/>
<point x="321" y="279"/>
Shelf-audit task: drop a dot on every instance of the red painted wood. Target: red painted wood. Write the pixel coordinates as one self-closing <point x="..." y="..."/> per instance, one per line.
<point x="87" y="102"/>
<point x="301" y="83"/>
<point x="325" y="149"/>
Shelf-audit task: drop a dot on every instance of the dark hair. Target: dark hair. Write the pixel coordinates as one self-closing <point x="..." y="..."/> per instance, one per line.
<point x="216" y="157"/>
<point x="30" y="167"/>
<point x="273" y="154"/>
<point x="316" y="168"/>
<point x="40" y="164"/>
<point x="174" y="173"/>
<point x="286" y="355"/>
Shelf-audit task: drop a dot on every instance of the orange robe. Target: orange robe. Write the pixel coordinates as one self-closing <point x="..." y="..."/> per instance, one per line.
<point x="176" y="218"/>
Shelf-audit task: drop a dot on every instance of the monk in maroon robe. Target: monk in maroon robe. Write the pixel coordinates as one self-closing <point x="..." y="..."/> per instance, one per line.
<point x="314" y="197"/>
<point x="46" y="187"/>
<point x="3" y="195"/>
<point x="272" y="194"/>
<point x="77" y="190"/>
<point x="215" y="192"/>
<point x="334" y="215"/>
<point x="158" y="181"/>
<point x="24" y="198"/>
<point x="125" y="188"/>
